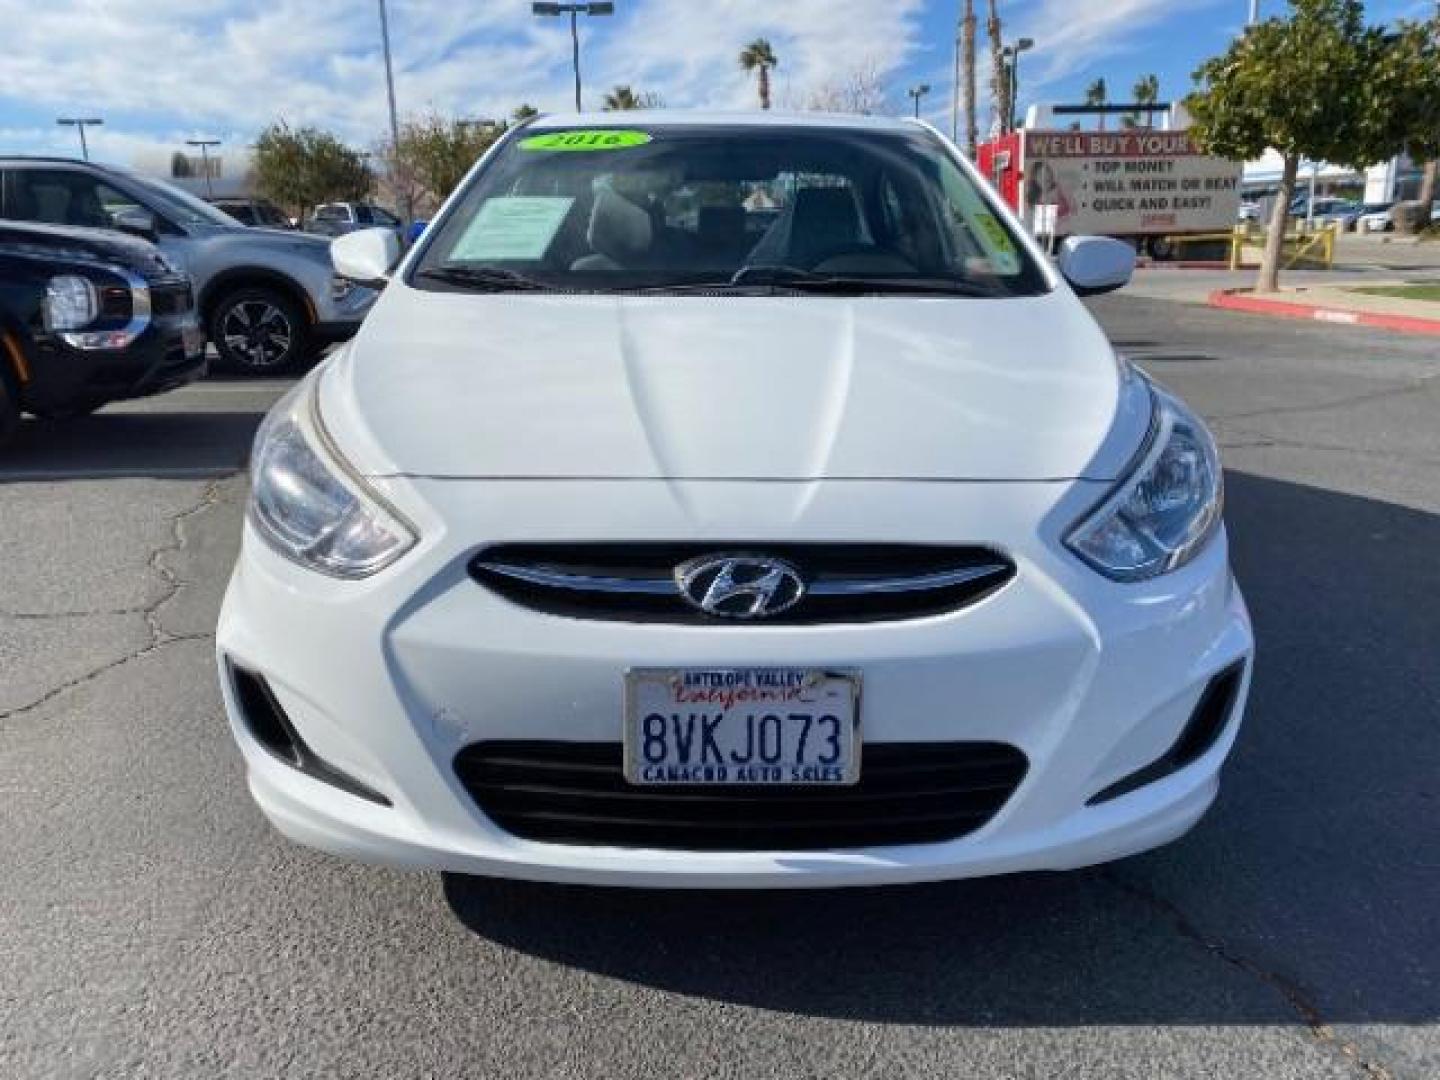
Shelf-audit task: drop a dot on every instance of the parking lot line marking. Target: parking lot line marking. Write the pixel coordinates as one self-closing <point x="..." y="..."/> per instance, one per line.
<point x="196" y="472"/>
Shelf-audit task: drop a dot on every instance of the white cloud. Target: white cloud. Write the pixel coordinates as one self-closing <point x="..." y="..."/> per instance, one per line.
<point x="1073" y="38"/>
<point x="689" y="52"/>
<point x="228" y="67"/>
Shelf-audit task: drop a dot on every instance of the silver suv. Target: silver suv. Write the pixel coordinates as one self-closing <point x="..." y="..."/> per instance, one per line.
<point x="267" y="298"/>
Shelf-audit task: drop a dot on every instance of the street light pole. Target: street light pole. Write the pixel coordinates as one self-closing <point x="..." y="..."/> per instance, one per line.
<point x="575" y="55"/>
<point x="594" y="7"/>
<point x="204" y="145"/>
<point x="1025" y="44"/>
<point x="81" y="123"/>
<point x="918" y="92"/>
<point x="408" y="209"/>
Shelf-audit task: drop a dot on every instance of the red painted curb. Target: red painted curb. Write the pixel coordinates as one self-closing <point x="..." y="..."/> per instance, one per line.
<point x="1233" y="300"/>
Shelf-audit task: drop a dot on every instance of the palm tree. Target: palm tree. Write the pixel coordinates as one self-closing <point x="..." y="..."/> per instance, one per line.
<point x="1147" y="92"/>
<point x="999" y="73"/>
<point x="1096" y="94"/>
<point x="967" y="54"/>
<point x="622" y="99"/>
<point x="759" y="56"/>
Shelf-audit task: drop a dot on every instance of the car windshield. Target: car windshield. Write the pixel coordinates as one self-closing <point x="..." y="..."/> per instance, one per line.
<point x="180" y="206"/>
<point x="803" y="208"/>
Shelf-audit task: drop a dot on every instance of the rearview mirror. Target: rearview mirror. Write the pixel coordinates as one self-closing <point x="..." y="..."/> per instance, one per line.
<point x="366" y="257"/>
<point x="136" y="222"/>
<point x="1096" y="264"/>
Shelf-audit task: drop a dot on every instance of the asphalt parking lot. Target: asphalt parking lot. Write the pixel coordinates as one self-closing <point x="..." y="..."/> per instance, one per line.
<point x="152" y="925"/>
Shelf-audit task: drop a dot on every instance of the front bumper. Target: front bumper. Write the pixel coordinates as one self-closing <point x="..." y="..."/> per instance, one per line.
<point x="168" y="354"/>
<point x="339" y="319"/>
<point x="388" y="679"/>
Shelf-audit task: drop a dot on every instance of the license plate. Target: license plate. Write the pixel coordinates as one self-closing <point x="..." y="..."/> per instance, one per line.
<point x="742" y="726"/>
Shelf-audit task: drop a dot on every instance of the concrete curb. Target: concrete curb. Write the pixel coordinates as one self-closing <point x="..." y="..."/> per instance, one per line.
<point x="1147" y="263"/>
<point x="1243" y="300"/>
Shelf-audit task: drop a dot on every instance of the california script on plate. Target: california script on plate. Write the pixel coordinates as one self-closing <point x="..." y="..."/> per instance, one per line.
<point x="738" y="726"/>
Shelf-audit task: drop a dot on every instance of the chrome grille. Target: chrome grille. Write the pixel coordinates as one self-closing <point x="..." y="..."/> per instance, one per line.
<point x="843" y="582"/>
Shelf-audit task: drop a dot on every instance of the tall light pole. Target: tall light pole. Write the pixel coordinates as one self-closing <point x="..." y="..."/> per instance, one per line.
<point x="1012" y="53"/>
<point x="918" y="92"/>
<point x="575" y="11"/>
<point x="204" y="145"/>
<point x="407" y="209"/>
<point x="81" y="123"/>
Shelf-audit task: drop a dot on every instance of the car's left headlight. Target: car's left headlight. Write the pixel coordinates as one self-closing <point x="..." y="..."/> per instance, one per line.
<point x="310" y="506"/>
<point x="1165" y="511"/>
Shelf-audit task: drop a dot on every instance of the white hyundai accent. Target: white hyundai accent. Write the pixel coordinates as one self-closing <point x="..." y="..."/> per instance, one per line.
<point x="732" y="501"/>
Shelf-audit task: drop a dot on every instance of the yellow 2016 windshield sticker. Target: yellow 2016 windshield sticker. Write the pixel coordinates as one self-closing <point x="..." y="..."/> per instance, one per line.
<point x="585" y="140"/>
<point x="995" y="233"/>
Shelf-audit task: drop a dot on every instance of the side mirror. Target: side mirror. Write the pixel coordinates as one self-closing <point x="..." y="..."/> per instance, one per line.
<point x="136" y="222"/>
<point x="366" y="257"/>
<point x="1096" y="264"/>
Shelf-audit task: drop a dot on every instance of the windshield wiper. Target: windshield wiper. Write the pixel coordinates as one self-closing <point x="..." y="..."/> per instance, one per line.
<point x="483" y="278"/>
<point x="793" y="277"/>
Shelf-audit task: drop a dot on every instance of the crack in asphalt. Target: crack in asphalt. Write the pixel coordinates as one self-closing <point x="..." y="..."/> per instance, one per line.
<point x="1292" y="994"/>
<point x="1259" y="440"/>
<point x="41" y="616"/>
<point x="160" y="637"/>
<point x="1411" y="387"/>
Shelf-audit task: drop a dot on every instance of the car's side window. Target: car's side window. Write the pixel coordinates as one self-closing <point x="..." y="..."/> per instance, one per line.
<point x="58" y="198"/>
<point x="55" y="197"/>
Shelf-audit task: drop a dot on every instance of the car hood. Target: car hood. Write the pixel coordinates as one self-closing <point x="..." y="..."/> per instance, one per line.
<point x="108" y="245"/>
<point x="693" y="388"/>
<point x="248" y="237"/>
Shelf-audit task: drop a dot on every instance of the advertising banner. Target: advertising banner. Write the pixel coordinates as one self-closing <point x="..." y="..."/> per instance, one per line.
<point x="1128" y="183"/>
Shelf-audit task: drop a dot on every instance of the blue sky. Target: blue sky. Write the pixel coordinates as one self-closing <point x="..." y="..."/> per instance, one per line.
<point x="161" y="71"/>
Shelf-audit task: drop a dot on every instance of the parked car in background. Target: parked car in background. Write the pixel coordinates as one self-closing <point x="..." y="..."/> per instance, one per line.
<point x="267" y="299"/>
<point x="88" y="317"/>
<point x="337" y="219"/>
<point x="1375" y="217"/>
<point x="256" y="213"/>
<point x="1327" y="212"/>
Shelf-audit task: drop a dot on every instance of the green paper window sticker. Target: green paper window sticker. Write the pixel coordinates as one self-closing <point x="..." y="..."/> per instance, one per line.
<point x="585" y="140"/>
<point x="514" y="227"/>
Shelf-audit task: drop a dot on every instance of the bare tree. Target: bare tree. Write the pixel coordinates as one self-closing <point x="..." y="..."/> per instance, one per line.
<point x="859" y="90"/>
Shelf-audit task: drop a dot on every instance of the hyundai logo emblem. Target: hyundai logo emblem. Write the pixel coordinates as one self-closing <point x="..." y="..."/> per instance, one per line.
<point x="740" y="586"/>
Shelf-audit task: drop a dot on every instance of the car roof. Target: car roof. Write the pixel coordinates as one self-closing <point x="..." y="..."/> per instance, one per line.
<point x="31" y="159"/>
<point x="663" y="118"/>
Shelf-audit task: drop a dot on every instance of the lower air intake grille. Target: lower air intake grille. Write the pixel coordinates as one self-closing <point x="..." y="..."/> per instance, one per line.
<point x="576" y="793"/>
<point x="843" y="583"/>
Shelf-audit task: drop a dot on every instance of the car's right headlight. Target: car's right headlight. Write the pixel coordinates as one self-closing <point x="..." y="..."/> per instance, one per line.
<point x="1164" y="512"/>
<point x="310" y="506"/>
